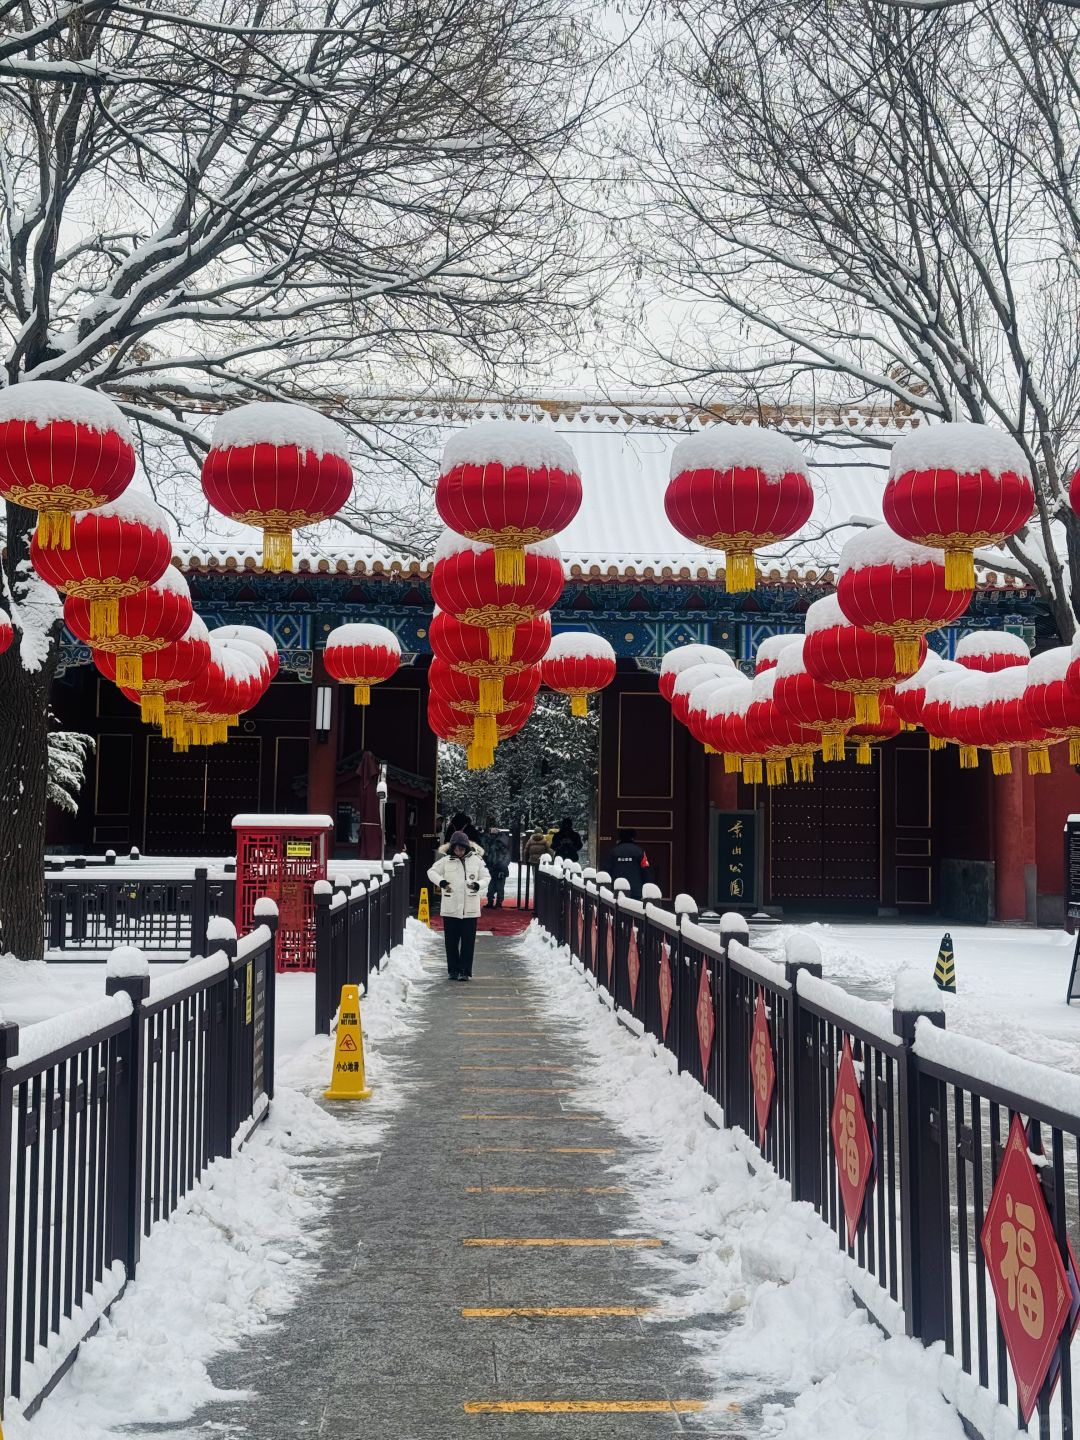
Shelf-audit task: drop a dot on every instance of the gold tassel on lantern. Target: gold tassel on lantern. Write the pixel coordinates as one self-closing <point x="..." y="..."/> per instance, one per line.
<point x="863" y="754"/>
<point x="491" y="694"/>
<point x="906" y="653"/>
<point x="104" y="618"/>
<point x="751" y="771"/>
<point x="152" y="707"/>
<point x="54" y="529"/>
<point x="709" y="750"/>
<point x="776" y="771"/>
<point x="277" y="550"/>
<point x="938" y="742"/>
<point x="579" y="706"/>
<point x="129" y="672"/>
<point x="1001" y="761"/>
<point x="969" y="757"/>
<point x="1074" y="749"/>
<point x="907" y="725"/>
<point x="740" y="572"/>
<point x="500" y="642"/>
<point x="361" y="693"/>
<point x="867" y="709"/>
<point x="832" y="745"/>
<point x="959" y="570"/>
<point x="802" y="767"/>
<point x="181" y="743"/>
<point x="733" y="764"/>
<point x="1039" y="761"/>
<point x="479" y="757"/>
<point x="509" y="565"/>
<point x="485" y="732"/>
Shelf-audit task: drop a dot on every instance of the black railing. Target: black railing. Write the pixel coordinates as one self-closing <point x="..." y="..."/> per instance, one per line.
<point x="102" y="1135"/>
<point x="937" y="1111"/>
<point x="356" y="927"/>
<point x="92" y="910"/>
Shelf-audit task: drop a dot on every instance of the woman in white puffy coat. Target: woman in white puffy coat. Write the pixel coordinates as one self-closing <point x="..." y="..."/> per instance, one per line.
<point x="460" y="875"/>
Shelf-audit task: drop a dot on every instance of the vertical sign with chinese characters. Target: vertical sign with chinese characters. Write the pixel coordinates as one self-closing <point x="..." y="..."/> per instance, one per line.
<point x="735" y="863"/>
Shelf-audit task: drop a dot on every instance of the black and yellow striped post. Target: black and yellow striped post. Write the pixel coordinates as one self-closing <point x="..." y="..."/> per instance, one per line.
<point x="945" y="968"/>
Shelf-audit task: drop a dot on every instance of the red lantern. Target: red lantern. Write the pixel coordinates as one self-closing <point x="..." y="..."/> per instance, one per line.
<point x="466" y="648"/>
<point x="892" y="586"/>
<point x="148" y="621"/>
<point x="361" y="656"/>
<point x="1013" y="722"/>
<point x="827" y="712"/>
<point x="578" y="664"/>
<point x="464" y="584"/>
<point x="727" y="730"/>
<point x="278" y="467"/>
<point x="847" y="657"/>
<point x="991" y="651"/>
<point x="680" y="659"/>
<point x="463" y="692"/>
<point x="459" y="728"/>
<point x="936" y="711"/>
<point x="689" y="680"/>
<point x="232" y="683"/>
<point x="907" y="698"/>
<point x="699" y="710"/>
<point x="7" y="633"/>
<point x="165" y="671"/>
<point x="769" y="650"/>
<point x="63" y="448"/>
<point x="1052" y="704"/>
<point x="873" y="732"/>
<point x="956" y="487"/>
<point x="736" y="488"/>
<point x="775" y="736"/>
<point x="254" y="636"/>
<point x="508" y="484"/>
<point x="115" y="551"/>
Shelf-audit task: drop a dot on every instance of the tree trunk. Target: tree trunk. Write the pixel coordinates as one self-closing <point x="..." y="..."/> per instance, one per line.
<point x="24" y="702"/>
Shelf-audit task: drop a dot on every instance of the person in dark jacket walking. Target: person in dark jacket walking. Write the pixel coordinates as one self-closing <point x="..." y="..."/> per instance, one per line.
<point x="628" y="861"/>
<point x="566" y="842"/>
<point x="496" y="843"/>
<point x="463" y="824"/>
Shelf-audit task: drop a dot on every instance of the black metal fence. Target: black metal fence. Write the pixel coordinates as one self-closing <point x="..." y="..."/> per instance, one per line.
<point x="90" y="909"/>
<point x="936" y="1129"/>
<point x="108" y="1117"/>
<point x="356" y="927"/>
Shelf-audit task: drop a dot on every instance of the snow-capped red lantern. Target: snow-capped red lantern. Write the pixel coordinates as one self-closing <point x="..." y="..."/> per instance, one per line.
<point x="991" y="651"/>
<point x="726" y="729"/>
<point x="466" y="648"/>
<point x="907" y="698"/>
<point x="1013" y="722"/>
<point x="1052" y="704"/>
<point x="699" y="712"/>
<point x="775" y="735"/>
<point x="233" y="682"/>
<point x="63" y="448"/>
<point x="769" y="650"/>
<point x="578" y="664"/>
<point x="7" y="632"/>
<point x="508" y="484"/>
<point x="896" y="587"/>
<point x="278" y="467"/>
<point x="936" y="710"/>
<point x="254" y="635"/>
<point x="873" y="732"/>
<point x="361" y="656"/>
<point x="147" y="621"/>
<point x="165" y="671"/>
<point x="955" y="487"/>
<point x="681" y="658"/>
<point x="847" y="657"/>
<point x="737" y="488"/>
<point x="689" y="680"/>
<point x="828" y="713"/>
<point x="464" y="584"/>
<point x="115" y="551"/>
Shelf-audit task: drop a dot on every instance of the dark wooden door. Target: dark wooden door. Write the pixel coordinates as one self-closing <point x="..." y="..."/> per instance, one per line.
<point x="825" y="838"/>
<point x="191" y="799"/>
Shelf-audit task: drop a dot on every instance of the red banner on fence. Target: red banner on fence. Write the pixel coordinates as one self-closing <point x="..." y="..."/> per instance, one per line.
<point x="762" y="1066"/>
<point x="610" y="947"/>
<point x="665" y="987"/>
<point x="1027" y="1273"/>
<point x="633" y="966"/>
<point x="851" y="1141"/>
<point x="706" y="1019"/>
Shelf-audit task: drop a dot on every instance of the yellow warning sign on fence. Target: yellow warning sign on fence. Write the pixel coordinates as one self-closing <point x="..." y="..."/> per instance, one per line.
<point x="348" y="1081"/>
<point x="423" y="908"/>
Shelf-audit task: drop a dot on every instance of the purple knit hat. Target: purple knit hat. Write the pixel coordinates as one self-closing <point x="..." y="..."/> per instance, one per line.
<point x="460" y="838"/>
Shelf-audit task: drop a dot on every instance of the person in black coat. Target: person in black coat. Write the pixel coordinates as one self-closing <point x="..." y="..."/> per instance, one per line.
<point x="566" y="842"/>
<point x="460" y="823"/>
<point x="628" y="861"/>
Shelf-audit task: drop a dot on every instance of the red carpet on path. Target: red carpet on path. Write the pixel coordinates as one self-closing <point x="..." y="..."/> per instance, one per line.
<point x="507" y="920"/>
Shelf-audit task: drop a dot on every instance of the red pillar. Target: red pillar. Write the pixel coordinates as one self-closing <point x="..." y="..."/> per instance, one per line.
<point x="1010" y="901"/>
<point x="322" y="755"/>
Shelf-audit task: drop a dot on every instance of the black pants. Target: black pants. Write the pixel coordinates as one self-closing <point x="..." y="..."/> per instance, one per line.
<point x="496" y="887"/>
<point x="460" y="939"/>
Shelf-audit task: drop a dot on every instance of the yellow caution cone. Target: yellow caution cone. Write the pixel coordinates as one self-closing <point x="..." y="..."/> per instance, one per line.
<point x="945" y="968"/>
<point x="348" y="1081"/>
<point x="423" y="908"/>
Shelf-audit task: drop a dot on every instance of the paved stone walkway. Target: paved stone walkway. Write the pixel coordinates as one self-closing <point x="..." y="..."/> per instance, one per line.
<point x="481" y="1274"/>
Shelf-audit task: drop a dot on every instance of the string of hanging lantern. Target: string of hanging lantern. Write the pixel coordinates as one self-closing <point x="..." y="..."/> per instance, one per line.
<point x="578" y="664"/>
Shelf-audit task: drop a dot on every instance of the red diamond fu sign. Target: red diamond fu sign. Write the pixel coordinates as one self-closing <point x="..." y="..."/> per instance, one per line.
<point x="706" y="1018"/>
<point x="610" y="947"/>
<point x="762" y="1066"/>
<point x="1026" y="1271"/>
<point x="633" y="966"/>
<point x="594" y="959"/>
<point x="851" y="1141"/>
<point x="665" y="988"/>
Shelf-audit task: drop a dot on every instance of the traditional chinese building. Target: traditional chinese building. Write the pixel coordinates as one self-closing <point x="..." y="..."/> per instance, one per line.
<point x="911" y="833"/>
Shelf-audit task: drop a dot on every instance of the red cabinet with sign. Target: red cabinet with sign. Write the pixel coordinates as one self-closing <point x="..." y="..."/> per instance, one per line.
<point x="282" y="856"/>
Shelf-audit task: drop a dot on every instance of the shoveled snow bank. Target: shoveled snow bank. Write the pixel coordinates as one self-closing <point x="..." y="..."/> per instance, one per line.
<point x="736" y="1246"/>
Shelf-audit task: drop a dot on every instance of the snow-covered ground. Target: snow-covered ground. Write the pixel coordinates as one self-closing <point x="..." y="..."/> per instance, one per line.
<point x="1010" y="981"/>
<point x="735" y="1245"/>
<point x="239" y="1248"/>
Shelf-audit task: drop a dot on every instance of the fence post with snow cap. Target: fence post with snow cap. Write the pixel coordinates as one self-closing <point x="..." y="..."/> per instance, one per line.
<point x="323" y="895"/>
<point x="127" y="971"/>
<point x="924" y="1166"/>
<point x="266" y="913"/>
<point x="221" y="935"/>
<point x="733" y="929"/>
<point x="803" y="957"/>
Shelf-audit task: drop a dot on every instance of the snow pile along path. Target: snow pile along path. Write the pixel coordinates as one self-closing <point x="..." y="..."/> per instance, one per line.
<point x="239" y="1249"/>
<point x="735" y="1242"/>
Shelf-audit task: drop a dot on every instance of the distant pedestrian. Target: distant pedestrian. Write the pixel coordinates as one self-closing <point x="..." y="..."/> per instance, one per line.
<point x="496" y="843"/>
<point x="627" y="861"/>
<point x="566" y="842"/>
<point x="460" y="822"/>
<point x="459" y="874"/>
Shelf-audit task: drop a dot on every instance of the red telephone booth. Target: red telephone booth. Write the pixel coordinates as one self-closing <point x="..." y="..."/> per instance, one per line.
<point x="282" y="856"/>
